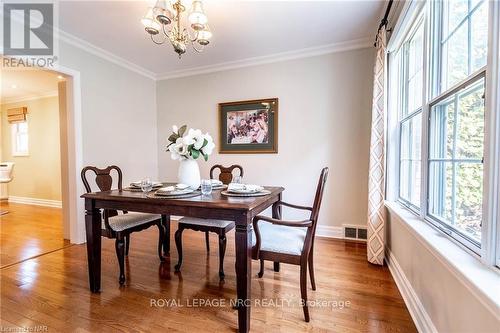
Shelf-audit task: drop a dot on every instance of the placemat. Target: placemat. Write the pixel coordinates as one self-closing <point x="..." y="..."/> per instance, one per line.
<point x="182" y="196"/>
<point x="138" y="189"/>
<point x="132" y="189"/>
<point x="257" y="194"/>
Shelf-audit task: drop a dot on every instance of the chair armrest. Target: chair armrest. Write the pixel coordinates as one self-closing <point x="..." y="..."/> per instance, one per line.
<point x="282" y="203"/>
<point x="301" y="223"/>
<point x="256" y="249"/>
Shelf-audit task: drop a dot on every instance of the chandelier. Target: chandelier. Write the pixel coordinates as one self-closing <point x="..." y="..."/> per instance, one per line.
<point x="167" y="13"/>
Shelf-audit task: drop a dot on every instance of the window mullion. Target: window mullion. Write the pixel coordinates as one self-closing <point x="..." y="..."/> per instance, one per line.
<point x="424" y="146"/>
<point x="454" y="163"/>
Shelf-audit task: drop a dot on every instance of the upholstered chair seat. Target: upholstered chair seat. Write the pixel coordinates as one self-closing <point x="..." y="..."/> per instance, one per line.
<point x="281" y="239"/>
<point x="121" y="222"/>
<point x="220" y="227"/>
<point x="205" y="222"/>
<point x="290" y="242"/>
<point x="120" y="225"/>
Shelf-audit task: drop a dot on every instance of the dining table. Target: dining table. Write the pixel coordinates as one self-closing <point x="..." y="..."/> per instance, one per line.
<point x="241" y="210"/>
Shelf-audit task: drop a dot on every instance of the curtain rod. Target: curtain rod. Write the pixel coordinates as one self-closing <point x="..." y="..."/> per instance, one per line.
<point x="383" y="22"/>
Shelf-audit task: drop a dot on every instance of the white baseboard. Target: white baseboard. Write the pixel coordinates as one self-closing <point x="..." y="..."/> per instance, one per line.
<point x="329" y="231"/>
<point x="417" y="311"/>
<point x="35" y="201"/>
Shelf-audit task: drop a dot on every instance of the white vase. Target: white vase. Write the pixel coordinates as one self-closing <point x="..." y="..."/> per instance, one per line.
<point x="189" y="173"/>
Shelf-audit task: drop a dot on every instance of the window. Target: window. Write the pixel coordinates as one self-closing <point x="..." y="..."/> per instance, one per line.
<point x="20" y="139"/>
<point x="463" y="39"/>
<point x="410" y="124"/>
<point x="441" y="72"/>
<point x="456" y="119"/>
<point x="456" y="146"/>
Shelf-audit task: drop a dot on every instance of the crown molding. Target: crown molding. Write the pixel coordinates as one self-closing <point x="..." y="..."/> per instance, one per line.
<point x="267" y="59"/>
<point x="51" y="93"/>
<point x="95" y="50"/>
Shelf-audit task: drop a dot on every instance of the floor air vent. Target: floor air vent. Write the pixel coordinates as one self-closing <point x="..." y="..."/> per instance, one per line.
<point x="355" y="232"/>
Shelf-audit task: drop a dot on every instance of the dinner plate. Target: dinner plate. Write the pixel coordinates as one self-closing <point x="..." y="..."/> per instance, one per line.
<point x="219" y="187"/>
<point x="251" y="194"/>
<point x="244" y="190"/>
<point x="138" y="184"/>
<point x="174" y="192"/>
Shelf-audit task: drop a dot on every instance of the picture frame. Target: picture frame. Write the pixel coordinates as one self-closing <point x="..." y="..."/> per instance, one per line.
<point x="249" y="127"/>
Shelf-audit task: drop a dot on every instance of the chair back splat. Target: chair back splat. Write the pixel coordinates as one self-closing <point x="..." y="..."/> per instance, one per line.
<point x="104" y="182"/>
<point x="226" y="174"/>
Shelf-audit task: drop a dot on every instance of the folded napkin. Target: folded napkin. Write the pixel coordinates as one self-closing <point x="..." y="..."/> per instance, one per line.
<point x="236" y="187"/>
<point x="167" y="189"/>
<point x="216" y="182"/>
<point x="174" y="190"/>
<point x="138" y="184"/>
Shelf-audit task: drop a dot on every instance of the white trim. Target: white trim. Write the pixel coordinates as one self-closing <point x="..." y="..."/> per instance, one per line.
<point x="46" y="94"/>
<point x="479" y="278"/>
<point x="321" y="230"/>
<point x="75" y="158"/>
<point x="404" y="23"/>
<point x="276" y="57"/>
<point x="417" y="311"/>
<point x="111" y="57"/>
<point x="491" y="193"/>
<point x="329" y="231"/>
<point x="35" y="201"/>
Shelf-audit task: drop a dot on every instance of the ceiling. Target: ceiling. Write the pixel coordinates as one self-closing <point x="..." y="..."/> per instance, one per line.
<point x="241" y="29"/>
<point x="22" y="84"/>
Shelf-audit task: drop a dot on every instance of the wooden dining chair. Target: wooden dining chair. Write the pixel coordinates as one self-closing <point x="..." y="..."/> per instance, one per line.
<point x="220" y="227"/>
<point x="120" y="226"/>
<point x="290" y="242"/>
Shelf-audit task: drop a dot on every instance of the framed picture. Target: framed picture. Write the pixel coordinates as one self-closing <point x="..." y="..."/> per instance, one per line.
<point x="248" y="127"/>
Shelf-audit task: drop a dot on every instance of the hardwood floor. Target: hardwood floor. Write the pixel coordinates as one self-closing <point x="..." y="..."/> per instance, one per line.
<point x="28" y="231"/>
<point x="51" y="290"/>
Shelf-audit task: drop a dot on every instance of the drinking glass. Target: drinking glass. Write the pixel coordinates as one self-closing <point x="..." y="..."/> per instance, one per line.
<point x="237" y="179"/>
<point x="146" y="185"/>
<point x="206" y="186"/>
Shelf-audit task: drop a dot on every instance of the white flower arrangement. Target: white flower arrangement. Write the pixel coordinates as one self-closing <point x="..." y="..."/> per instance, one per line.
<point x="191" y="145"/>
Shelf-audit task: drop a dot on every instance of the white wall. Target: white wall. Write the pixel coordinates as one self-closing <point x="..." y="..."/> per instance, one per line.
<point x="118" y="114"/>
<point x="37" y="175"/>
<point x="118" y="124"/>
<point x="324" y="120"/>
<point x="450" y="304"/>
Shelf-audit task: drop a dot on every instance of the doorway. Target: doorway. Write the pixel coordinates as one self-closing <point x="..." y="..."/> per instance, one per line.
<point x="37" y="137"/>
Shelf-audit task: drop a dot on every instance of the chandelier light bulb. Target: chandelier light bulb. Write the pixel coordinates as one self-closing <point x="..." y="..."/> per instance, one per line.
<point x="197" y="18"/>
<point x="204" y="37"/>
<point x="150" y="24"/>
<point x="163" y="13"/>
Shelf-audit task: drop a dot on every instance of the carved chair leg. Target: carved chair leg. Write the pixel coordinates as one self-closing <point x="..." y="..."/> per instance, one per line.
<point x="120" y="254"/>
<point x="178" y="244"/>
<point x="276" y="266"/>
<point x="222" y="252"/>
<point x="303" y="289"/>
<point x="207" y="241"/>
<point x="165" y="219"/>
<point x="311" y="270"/>
<point x="127" y="244"/>
<point x="161" y="237"/>
<point x="261" y="271"/>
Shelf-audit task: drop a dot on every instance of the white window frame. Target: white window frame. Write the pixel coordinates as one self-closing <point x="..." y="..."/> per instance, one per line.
<point x="437" y="221"/>
<point x="489" y="252"/>
<point x="403" y="103"/>
<point x="14" y="134"/>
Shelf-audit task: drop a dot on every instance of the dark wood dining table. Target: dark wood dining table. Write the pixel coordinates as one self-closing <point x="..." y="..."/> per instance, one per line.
<point x="241" y="210"/>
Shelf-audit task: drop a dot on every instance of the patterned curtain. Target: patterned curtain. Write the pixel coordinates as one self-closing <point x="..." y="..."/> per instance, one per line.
<point x="376" y="181"/>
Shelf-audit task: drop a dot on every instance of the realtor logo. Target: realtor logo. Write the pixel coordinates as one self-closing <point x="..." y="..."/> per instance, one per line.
<point x="28" y="29"/>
